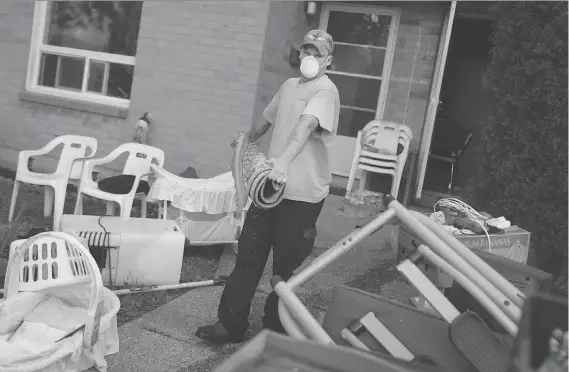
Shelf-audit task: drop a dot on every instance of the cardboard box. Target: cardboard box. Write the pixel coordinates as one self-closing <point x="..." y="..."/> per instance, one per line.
<point x="513" y="239"/>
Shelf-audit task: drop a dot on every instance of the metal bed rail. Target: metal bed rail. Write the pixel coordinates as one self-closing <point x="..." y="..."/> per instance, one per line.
<point x="500" y="297"/>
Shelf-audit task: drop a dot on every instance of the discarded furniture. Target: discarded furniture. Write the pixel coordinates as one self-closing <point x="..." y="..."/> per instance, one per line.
<point x="69" y="167"/>
<point x="137" y="165"/>
<point x="48" y="273"/>
<point x="131" y="252"/>
<point x="451" y="340"/>
<point x="381" y="147"/>
<point x="203" y="209"/>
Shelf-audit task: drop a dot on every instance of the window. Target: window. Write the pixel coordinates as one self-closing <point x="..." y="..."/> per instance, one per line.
<point x="85" y="50"/>
<point x="364" y="39"/>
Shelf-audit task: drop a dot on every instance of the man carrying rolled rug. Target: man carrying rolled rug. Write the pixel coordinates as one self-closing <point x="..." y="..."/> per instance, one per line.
<point x="304" y="113"/>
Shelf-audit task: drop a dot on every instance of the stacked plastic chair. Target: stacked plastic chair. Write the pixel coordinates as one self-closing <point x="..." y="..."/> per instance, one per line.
<point x="376" y="151"/>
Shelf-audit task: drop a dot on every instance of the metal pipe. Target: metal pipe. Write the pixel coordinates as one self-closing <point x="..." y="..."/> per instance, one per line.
<point x="428" y="290"/>
<point x="289" y="324"/>
<point x="340" y="248"/>
<point x="353" y="340"/>
<point x="453" y="258"/>
<point x="476" y="292"/>
<point x="120" y="292"/>
<point x="301" y="313"/>
<point x="503" y="284"/>
<point x="319" y="263"/>
<point x="438" y="239"/>
<point x="205" y="283"/>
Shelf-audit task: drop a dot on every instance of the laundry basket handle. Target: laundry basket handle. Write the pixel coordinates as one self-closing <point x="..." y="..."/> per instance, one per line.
<point x="95" y="309"/>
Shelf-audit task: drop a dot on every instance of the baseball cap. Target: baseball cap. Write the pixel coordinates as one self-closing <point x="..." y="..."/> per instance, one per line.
<point x="320" y="39"/>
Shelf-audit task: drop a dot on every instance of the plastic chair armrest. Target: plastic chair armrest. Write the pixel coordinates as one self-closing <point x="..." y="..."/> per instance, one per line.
<point x="42" y="151"/>
<point x="25" y="155"/>
<point x="87" y="172"/>
<point x="83" y="159"/>
<point x="67" y="171"/>
<point x="90" y="163"/>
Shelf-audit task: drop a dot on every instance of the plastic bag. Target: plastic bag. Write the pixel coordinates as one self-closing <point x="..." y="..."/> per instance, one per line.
<point x="67" y="355"/>
<point x="49" y="322"/>
<point x="14" y="309"/>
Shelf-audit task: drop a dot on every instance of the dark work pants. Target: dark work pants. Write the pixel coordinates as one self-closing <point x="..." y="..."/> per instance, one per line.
<point x="289" y="229"/>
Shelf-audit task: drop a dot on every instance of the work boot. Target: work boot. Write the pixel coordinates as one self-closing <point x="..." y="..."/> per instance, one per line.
<point x="219" y="335"/>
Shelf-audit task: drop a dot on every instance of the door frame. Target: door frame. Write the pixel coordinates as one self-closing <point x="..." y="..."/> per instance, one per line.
<point x="430" y="116"/>
<point x="395" y="14"/>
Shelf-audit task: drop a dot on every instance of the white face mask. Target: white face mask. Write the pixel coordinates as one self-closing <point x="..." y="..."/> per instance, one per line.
<point x="309" y="67"/>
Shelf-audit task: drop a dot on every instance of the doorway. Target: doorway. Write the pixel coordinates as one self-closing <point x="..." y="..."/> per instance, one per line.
<point x="364" y="45"/>
<point x="463" y="105"/>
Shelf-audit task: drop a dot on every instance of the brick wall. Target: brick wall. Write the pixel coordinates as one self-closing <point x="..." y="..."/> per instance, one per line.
<point x="286" y="26"/>
<point x="26" y="125"/>
<point x="19" y="126"/>
<point x="196" y="73"/>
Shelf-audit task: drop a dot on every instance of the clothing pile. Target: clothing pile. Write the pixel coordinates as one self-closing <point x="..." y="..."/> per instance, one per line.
<point x="250" y="172"/>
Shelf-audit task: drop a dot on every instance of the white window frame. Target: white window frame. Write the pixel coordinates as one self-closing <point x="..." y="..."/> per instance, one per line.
<point x="395" y="14"/>
<point x="37" y="46"/>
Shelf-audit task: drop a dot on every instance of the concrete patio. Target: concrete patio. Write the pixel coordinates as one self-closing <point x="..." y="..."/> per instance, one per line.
<point x="163" y="339"/>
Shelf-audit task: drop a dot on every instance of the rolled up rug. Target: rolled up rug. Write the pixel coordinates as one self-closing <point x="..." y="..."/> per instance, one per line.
<point x="250" y="171"/>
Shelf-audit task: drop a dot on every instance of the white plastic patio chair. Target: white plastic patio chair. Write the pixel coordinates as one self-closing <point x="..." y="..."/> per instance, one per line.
<point x="55" y="184"/>
<point x="384" y="136"/>
<point x="369" y="161"/>
<point x="138" y="164"/>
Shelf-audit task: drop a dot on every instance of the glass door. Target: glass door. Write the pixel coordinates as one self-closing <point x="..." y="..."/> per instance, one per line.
<point x="364" y="39"/>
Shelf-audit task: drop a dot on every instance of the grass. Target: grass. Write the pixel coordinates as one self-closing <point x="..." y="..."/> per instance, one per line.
<point x="199" y="263"/>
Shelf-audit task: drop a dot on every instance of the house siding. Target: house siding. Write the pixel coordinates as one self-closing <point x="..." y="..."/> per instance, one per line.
<point x="196" y="73"/>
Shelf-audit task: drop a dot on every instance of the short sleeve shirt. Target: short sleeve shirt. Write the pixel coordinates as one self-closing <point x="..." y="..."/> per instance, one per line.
<point x="309" y="175"/>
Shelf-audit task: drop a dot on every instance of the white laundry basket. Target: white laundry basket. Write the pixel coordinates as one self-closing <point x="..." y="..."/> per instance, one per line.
<point x="58" y="264"/>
